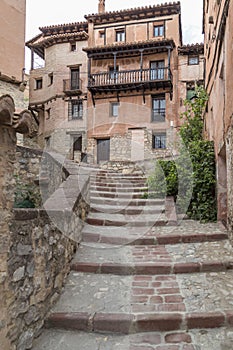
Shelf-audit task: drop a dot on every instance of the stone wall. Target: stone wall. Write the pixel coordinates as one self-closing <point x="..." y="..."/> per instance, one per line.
<point x="14" y="91"/>
<point x="42" y="245"/>
<point x="7" y="157"/>
<point x="36" y="245"/>
<point x="229" y="177"/>
<point x="38" y="264"/>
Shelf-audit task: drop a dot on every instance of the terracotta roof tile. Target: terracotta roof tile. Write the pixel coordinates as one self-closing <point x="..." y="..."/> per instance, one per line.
<point x="50" y="40"/>
<point x="135" y="9"/>
<point x="191" y="48"/>
<point x="61" y="26"/>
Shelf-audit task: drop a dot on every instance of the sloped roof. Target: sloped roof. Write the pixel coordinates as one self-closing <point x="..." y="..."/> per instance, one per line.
<point x="190" y="49"/>
<point x="171" y="8"/>
<point x="39" y="42"/>
<point x="65" y="28"/>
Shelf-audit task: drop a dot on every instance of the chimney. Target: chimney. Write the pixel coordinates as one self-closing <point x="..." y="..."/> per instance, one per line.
<point x="101" y="6"/>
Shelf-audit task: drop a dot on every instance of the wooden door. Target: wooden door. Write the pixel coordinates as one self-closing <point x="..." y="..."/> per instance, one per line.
<point x="103" y="150"/>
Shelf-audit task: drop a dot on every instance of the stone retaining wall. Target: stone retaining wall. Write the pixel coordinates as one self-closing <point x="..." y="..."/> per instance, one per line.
<point x="42" y="245"/>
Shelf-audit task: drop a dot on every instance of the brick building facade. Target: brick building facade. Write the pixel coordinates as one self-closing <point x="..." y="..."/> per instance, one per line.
<point x="12" y="50"/>
<point x="218" y="22"/>
<point x="133" y="74"/>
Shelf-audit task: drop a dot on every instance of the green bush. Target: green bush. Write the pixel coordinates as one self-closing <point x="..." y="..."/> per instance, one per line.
<point x="164" y="180"/>
<point x="191" y="179"/>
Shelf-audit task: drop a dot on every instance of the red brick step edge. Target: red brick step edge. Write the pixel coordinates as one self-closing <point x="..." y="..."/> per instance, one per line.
<point x="132" y="323"/>
<point x="151" y="268"/>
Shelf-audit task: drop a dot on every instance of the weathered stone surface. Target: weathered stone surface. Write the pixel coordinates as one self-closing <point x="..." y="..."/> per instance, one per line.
<point x="19" y="274"/>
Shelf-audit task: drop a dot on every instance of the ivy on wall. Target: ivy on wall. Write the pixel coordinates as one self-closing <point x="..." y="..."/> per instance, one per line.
<point x="198" y="185"/>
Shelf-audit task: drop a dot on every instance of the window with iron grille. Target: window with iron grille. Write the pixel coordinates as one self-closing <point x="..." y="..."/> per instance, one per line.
<point x="158" y="108"/>
<point x="75" y="109"/>
<point x="159" y="30"/>
<point x="159" y="140"/>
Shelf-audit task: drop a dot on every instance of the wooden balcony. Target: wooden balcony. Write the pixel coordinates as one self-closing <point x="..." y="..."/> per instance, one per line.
<point x="72" y="87"/>
<point x="139" y="79"/>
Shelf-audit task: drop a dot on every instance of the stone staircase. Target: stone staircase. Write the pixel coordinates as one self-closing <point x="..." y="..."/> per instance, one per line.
<point x="142" y="281"/>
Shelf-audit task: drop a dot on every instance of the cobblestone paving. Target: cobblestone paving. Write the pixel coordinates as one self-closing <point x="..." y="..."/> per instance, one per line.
<point x="208" y="339"/>
<point x="205" y="251"/>
<point x="186" y="227"/>
<point x="207" y="291"/>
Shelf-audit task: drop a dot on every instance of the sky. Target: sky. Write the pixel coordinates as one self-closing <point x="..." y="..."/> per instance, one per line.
<point x="48" y="12"/>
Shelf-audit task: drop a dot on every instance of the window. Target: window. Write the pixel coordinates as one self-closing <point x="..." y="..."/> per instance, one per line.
<point x="74" y="74"/>
<point x="192" y="60"/>
<point x="73" y="47"/>
<point x="159" y="140"/>
<point x="114" y="109"/>
<point x="159" y="30"/>
<point x="39" y="83"/>
<point x="102" y="34"/>
<point x="51" y="79"/>
<point x="158" y="108"/>
<point x="120" y="35"/>
<point x="75" y="109"/>
<point x="157" y="70"/>
<point x="113" y="74"/>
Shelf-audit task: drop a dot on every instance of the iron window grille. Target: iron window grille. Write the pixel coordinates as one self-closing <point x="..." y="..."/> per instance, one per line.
<point x="158" y="109"/>
<point x="75" y="109"/>
<point x="159" y="141"/>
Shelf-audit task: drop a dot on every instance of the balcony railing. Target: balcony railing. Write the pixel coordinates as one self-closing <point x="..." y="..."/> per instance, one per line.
<point x="130" y="77"/>
<point x="72" y="87"/>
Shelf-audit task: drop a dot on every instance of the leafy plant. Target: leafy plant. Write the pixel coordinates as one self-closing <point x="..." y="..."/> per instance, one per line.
<point x="164" y="180"/>
<point x="191" y="179"/>
<point x="26" y="195"/>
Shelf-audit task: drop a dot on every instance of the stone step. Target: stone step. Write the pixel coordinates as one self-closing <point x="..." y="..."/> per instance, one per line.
<point x="107" y="219"/>
<point x="119" y="189"/>
<point x="195" y="339"/>
<point x="118" y="184"/>
<point x="150" y="260"/>
<point x="129" y="210"/>
<point x="115" y="175"/>
<point x="144" y="236"/>
<point x="142" y="303"/>
<point x="116" y="195"/>
<point x="125" y="201"/>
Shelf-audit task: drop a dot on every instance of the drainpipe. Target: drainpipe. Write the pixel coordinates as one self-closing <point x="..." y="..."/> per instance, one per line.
<point x="32" y="58"/>
<point x="141" y="63"/>
<point x="169" y="63"/>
